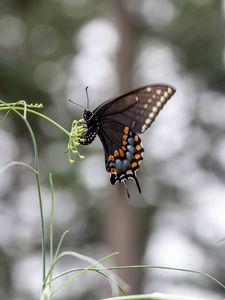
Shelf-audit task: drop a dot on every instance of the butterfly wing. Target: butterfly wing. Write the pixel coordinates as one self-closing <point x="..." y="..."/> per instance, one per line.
<point x="136" y="109"/>
<point x="123" y="152"/>
<point x="120" y="120"/>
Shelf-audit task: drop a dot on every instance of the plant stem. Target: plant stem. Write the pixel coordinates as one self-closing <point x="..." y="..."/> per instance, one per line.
<point x="82" y="271"/>
<point x="37" y="175"/>
<point x="51" y="224"/>
<point x="143" y="267"/>
<point x="38" y="114"/>
<point x="154" y="296"/>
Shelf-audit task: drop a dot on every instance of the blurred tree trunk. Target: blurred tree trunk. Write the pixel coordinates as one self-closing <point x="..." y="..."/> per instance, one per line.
<point x="124" y="222"/>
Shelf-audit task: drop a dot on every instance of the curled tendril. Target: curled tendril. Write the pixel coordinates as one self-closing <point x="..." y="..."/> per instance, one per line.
<point x="31" y="105"/>
<point x="36" y="105"/>
<point x="74" y="140"/>
<point x="24" y="103"/>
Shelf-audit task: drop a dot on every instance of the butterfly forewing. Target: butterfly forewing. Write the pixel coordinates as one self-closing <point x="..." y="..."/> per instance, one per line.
<point x="137" y="109"/>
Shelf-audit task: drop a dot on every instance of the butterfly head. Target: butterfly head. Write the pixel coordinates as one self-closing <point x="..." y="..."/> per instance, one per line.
<point x="87" y="115"/>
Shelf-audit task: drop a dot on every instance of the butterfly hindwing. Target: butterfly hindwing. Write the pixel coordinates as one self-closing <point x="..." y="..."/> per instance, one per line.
<point x="122" y="154"/>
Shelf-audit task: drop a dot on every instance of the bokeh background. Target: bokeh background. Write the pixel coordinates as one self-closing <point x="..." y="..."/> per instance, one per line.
<point x="49" y="52"/>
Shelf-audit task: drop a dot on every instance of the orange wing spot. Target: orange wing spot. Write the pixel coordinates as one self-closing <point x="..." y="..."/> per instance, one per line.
<point x="124" y="142"/>
<point x="113" y="170"/>
<point x="121" y="152"/>
<point x="116" y="153"/>
<point x="126" y="130"/>
<point x="137" y="156"/>
<point x="124" y="148"/>
<point x="136" y="138"/>
<point x="111" y="158"/>
<point x="134" y="164"/>
<point x="138" y="147"/>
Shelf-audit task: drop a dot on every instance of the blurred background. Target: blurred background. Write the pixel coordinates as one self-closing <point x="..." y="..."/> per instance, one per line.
<point x="49" y="52"/>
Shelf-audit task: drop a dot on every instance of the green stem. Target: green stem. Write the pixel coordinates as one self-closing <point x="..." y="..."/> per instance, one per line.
<point x="82" y="271"/>
<point x="37" y="175"/>
<point x="154" y="296"/>
<point x="51" y="224"/>
<point x="17" y="163"/>
<point x="38" y="114"/>
<point x="51" y="270"/>
<point x="142" y="267"/>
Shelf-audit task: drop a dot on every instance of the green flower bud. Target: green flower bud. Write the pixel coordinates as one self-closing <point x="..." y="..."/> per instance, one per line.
<point x="75" y="138"/>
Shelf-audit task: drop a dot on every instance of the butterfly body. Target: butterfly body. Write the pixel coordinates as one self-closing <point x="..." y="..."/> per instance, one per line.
<point x="117" y="122"/>
<point x="92" y="127"/>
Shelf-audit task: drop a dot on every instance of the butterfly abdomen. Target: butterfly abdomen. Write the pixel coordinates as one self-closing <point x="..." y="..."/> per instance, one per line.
<point x="88" y="137"/>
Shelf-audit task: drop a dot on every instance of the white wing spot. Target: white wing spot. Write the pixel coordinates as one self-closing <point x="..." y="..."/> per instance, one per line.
<point x="136" y="98"/>
<point x="151" y="115"/>
<point x="148" y="89"/>
<point x="166" y="94"/>
<point x="143" y="128"/>
<point x="159" y="103"/>
<point x="170" y="91"/>
<point x="162" y="99"/>
<point x="129" y="172"/>
<point x="147" y="121"/>
<point x="145" y="106"/>
<point x="149" y="100"/>
<point x="154" y="96"/>
<point x="158" y="92"/>
<point x="154" y="109"/>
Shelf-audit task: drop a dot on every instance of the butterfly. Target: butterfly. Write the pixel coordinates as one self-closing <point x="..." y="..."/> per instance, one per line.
<point x="117" y="123"/>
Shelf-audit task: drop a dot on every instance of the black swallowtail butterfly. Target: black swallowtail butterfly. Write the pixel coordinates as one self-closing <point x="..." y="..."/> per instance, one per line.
<point x="117" y="122"/>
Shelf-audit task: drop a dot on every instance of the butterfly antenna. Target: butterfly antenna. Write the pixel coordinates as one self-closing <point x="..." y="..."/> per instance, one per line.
<point x="86" y="89"/>
<point x="76" y="103"/>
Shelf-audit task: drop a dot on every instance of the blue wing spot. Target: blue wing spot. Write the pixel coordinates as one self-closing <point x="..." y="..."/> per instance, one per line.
<point x="131" y="141"/>
<point x="119" y="165"/>
<point x="112" y="165"/>
<point x="131" y="149"/>
<point x="129" y="156"/>
<point x="126" y="163"/>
